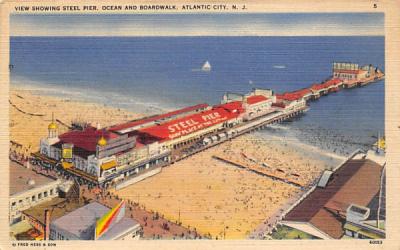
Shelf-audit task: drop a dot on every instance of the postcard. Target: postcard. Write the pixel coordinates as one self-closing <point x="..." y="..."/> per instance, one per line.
<point x="142" y="124"/>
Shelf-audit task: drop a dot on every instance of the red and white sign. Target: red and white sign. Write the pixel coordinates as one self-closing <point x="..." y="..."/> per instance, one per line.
<point x="189" y="124"/>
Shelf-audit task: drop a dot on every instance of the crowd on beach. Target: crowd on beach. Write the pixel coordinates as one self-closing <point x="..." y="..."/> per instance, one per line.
<point x="337" y="142"/>
<point x="222" y="199"/>
<point x="276" y="157"/>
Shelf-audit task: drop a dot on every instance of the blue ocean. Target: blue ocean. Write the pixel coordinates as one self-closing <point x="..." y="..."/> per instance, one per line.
<point x="154" y="74"/>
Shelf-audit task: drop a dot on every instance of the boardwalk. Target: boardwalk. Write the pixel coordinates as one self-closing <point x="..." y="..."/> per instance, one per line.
<point x="271" y="222"/>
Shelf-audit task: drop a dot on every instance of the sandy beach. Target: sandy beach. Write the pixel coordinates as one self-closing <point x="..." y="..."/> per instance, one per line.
<point x="31" y="114"/>
<point x="200" y="192"/>
<point x="210" y="195"/>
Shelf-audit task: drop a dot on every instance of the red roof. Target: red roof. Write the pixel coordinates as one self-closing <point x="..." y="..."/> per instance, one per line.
<point x="325" y="85"/>
<point x="279" y="104"/>
<point x="301" y="92"/>
<point x="317" y="86"/>
<point x="189" y="124"/>
<point x="297" y="94"/>
<point x="288" y="96"/>
<point x="256" y="99"/>
<point x="86" y="139"/>
<point x="158" y="117"/>
<point x="235" y="106"/>
<point x="331" y="82"/>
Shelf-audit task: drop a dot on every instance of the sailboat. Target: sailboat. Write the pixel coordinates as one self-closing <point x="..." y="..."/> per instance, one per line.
<point x="206" y="67"/>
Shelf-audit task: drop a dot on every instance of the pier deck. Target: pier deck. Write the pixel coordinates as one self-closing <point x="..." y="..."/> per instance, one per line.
<point x="274" y="174"/>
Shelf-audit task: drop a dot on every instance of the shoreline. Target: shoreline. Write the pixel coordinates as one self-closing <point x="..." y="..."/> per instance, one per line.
<point x="303" y="146"/>
<point x="118" y="101"/>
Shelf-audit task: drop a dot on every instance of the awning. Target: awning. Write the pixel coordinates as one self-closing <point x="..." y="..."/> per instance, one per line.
<point x="108" y="165"/>
<point x="67" y="165"/>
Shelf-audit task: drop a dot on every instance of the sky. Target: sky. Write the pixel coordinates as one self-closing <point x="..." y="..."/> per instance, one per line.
<point x="252" y="24"/>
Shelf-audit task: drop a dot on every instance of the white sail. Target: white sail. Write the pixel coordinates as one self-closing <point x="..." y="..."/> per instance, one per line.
<point x="206" y="66"/>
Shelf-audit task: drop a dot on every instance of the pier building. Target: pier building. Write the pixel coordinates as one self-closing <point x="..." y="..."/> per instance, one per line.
<point x="352" y="71"/>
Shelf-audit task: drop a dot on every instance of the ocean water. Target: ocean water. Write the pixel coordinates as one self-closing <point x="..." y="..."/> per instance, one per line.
<point x="154" y="74"/>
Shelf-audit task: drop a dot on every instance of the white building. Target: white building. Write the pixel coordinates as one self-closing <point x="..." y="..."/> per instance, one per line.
<point x="98" y="155"/>
<point x="349" y="71"/>
<point x="28" y="189"/>
<point x="80" y="224"/>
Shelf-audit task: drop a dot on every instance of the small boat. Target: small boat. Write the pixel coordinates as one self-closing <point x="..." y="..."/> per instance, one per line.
<point x="206" y="67"/>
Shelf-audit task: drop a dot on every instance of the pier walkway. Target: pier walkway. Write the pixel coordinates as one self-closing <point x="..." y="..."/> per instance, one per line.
<point x="264" y="171"/>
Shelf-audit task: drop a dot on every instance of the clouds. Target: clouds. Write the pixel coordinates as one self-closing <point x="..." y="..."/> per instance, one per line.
<point x="276" y="24"/>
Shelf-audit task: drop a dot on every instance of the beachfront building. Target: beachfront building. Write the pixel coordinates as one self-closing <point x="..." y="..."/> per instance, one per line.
<point x="95" y="221"/>
<point x="338" y="199"/>
<point x="98" y="155"/>
<point x="369" y="222"/>
<point x="28" y="189"/>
